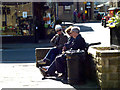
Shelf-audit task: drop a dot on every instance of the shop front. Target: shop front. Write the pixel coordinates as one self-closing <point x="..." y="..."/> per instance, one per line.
<point x="22" y="21"/>
<point x="16" y="19"/>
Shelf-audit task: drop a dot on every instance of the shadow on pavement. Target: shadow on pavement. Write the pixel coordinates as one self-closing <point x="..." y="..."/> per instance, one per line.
<point x="89" y="84"/>
<point x="84" y="28"/>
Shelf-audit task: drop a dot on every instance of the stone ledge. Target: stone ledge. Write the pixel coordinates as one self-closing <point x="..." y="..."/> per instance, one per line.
<point x="103" y="53"/>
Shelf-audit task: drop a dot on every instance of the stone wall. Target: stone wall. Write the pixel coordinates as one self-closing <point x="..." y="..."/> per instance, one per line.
<point x="107" y="64"/>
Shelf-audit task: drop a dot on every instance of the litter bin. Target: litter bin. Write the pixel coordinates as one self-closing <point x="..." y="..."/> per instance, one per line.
<point x="75" y="66"/>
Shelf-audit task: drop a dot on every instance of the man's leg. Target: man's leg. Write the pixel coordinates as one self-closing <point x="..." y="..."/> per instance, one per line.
<point x="52" y="53"/>
<point x="50" y="71"/>
<point x="60" y="62"/>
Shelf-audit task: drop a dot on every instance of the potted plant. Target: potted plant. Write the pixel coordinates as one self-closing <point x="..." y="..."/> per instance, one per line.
<point x="114" y="25"/>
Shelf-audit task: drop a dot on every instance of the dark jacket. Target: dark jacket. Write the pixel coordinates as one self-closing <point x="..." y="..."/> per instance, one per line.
<point x="69" y="43"/>
<point x="59" y="40"/>
<point x="78" y="43"/>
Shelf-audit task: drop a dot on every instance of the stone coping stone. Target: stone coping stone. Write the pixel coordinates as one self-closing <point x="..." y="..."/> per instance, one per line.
<point x="103" y="52"/>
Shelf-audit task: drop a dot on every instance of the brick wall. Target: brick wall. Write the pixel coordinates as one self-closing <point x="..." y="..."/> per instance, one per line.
<point x="107" y="67"/>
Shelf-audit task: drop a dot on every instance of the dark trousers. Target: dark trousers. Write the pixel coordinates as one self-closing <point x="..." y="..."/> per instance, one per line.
<point x="52" y="53"/>
<point x="74" y="19"/>
<point x="59" y="65"/>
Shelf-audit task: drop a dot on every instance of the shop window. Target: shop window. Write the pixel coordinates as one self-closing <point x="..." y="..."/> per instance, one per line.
<point x="3" y="10"/>
<point x="8" y="10"/>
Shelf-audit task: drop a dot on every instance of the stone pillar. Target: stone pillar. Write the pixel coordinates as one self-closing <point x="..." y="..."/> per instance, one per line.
<point x="107" y="63"/>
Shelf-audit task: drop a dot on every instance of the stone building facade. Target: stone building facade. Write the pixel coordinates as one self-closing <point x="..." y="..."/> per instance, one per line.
<point x="65" y="13"/>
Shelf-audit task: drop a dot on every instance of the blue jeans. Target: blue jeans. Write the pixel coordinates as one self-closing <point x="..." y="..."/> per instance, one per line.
<point x="52" y="53"/>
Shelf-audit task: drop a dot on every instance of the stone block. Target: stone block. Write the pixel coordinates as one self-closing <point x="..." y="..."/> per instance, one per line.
<point x="114" y="76"/>
<point x="118" y="68"/>
<point x="103" y="61"/>
<point x="102" y="76"/>
<point x="108" y="53"/>
<point x="107" y="69"/>
<point x="114" y="61"/>
<point x="107" y="84"/>
<point x="117" y="84"/>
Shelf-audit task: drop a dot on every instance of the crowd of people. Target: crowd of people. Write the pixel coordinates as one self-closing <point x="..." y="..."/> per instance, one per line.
<point x="56" y="58"/>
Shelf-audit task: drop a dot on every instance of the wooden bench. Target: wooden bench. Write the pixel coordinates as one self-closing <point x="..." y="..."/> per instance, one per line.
<point x="40" y="53"/>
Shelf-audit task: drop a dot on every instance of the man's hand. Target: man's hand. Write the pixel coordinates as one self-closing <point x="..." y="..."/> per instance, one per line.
<point x="64" y="48"/>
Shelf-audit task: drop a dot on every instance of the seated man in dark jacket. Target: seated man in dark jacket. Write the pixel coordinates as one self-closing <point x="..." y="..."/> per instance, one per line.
<point x="59" y="64"/>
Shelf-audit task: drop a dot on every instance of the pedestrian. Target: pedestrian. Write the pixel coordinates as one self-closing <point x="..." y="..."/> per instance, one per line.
<point x="79" y="16"/>
<point x="58" y="42"/>
<point x="83" y="17"/>
<point x="59" y="64"/>
<point x="74" y="15"/>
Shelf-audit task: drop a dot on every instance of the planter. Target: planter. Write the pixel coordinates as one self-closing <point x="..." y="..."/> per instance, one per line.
<point x="107" y="63"/>
<point x="115" y="36"/>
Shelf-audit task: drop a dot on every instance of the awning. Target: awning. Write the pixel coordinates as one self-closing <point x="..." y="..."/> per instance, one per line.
<point x="113" y="8"/>
<point x="101" y="5"/>
<point x="65" y="3"/>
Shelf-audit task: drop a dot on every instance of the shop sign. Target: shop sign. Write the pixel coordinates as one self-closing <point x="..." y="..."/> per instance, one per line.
<point x="24" y="14"/>
<point x="88" y="3"/>
<point x="67" y="7"/>
<point x="88" y="7"/>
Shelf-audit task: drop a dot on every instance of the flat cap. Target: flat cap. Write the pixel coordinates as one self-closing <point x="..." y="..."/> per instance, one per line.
<point x="75" y="29"/>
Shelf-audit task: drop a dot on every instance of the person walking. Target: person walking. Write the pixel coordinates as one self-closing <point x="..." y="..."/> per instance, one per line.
<point x="74" y="15"/>
<point x="79" y="16"/>
<point x="83" y="17"/>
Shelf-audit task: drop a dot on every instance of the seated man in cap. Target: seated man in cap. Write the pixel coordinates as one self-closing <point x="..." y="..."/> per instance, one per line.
<point x="59" y="64"/>
<point x="58" y="41"/>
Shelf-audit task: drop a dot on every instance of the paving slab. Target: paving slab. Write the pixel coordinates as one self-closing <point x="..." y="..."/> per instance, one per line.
<point x="27" y="75"/>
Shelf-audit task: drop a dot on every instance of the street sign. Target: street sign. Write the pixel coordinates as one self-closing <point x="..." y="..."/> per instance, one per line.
<point x="24" y="14"/>
<point x="88" y="7"/>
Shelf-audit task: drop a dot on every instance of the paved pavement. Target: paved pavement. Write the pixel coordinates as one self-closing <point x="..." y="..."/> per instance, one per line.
<point x="26" y="75"/>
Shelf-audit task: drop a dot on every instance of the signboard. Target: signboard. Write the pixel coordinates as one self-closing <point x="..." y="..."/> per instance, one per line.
<point x="88" y="7"/>
<point x="67" y="7"/>
<point x="88" y="3"/>
<point x="24" y="14"/>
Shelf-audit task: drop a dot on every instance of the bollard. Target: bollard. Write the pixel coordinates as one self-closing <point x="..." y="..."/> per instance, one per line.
<point x="75" y="67"/>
